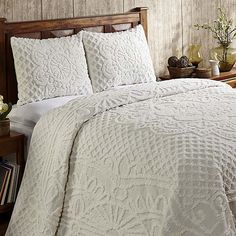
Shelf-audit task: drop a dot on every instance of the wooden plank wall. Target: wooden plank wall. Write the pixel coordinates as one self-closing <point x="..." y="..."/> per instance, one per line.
<point x="199" y="11"/>
<point x="170" y="22"/>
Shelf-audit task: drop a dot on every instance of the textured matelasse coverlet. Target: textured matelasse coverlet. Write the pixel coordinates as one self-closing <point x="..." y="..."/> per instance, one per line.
<point x="154" y="159"/>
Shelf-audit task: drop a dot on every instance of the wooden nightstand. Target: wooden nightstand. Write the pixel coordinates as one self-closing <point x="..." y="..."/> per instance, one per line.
<point x="227" y="77"/>
<point x="14" y="143"/>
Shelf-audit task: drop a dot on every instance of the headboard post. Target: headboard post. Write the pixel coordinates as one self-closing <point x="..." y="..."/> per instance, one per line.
<point x="3" y="84"/>
<point x="143" y="18"/>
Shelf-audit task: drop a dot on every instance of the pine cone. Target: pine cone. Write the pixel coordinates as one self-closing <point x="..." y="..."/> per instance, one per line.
<point x="182" y="62"/>
<point x="172" y="61"/>
<point x="186" y="58"/>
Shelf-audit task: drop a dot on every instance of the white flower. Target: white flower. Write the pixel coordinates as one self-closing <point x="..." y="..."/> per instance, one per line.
<point x="5" y="107"/>
<point x="1" y="98"/>
<point x="1" y="106"/>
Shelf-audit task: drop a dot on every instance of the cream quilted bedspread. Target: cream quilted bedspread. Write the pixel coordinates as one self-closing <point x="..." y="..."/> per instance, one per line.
<point x="154" y="160"/>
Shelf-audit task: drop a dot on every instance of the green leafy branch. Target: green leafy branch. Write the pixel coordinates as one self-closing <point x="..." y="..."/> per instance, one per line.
<point x="222" y="29"/>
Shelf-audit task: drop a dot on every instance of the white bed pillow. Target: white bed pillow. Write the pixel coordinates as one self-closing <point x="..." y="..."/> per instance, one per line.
<point x="119" y="58"/>
<point x="29" y="114"/>
<point x="50" y="68"/>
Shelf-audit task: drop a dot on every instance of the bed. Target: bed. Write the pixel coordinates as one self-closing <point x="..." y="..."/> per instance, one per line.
<point x="43" y="30"/>
<point x="141" y="159"/>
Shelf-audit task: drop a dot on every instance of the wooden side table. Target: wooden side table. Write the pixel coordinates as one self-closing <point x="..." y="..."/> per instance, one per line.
<point x="227" y="77"/>
<point x="14" y="143"/>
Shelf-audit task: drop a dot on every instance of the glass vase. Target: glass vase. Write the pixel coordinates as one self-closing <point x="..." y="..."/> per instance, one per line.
<point x="226" y="57"/>
<point x="194" y="54"/>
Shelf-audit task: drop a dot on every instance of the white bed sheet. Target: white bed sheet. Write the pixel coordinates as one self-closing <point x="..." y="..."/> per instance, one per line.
<point x="24" y="118"/>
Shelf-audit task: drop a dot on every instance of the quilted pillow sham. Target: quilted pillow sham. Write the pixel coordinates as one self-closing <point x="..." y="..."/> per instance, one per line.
<point x="50" y="68"/>
<point x="119" y="58"/>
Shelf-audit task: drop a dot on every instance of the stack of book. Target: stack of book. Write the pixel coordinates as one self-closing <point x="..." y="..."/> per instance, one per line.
<point x="9" y="174"/>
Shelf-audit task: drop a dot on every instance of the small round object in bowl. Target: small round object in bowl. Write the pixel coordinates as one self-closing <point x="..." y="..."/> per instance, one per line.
<point x="172" y="61"/>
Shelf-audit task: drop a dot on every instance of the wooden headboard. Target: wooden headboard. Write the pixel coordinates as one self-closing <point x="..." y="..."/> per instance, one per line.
<point x="56" y="28"/>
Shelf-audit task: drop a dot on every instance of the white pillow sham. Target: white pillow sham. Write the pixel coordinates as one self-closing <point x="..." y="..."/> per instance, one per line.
<point x="50" y="68"/>
<point x="119" y="58"/>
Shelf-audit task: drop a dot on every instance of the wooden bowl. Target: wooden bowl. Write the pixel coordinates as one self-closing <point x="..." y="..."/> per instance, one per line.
<point x="176" y="72"/>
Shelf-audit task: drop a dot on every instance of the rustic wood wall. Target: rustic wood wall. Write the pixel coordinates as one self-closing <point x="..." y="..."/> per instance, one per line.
<point x="170" y="22"/>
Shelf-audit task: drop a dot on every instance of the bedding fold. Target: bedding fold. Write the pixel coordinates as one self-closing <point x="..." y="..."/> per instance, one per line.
<point x="147" y="159"/>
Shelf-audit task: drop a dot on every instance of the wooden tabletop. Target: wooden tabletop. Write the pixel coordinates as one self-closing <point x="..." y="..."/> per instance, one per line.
<point x="13" y="135"/>
<point x="225" y="75"/>
<point x="222" y="76"/>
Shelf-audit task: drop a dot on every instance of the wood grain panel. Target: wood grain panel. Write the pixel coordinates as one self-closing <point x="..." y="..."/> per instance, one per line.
<point x="230" y="8"/>
<point x="129" y="4"/>
<point x="2" y="10"/>
<point x="57" y="9"/>
<point x="6" y="9"/>
<point x="121" y="27"/>
<point x="165" y="29"/>
<point x="79" y="8"/>
<point x="27" y="10"/>
<point x="57" y="33"/>
<point x="170" y="22"/>
<point x="98" y="29"/>
<point x="153" y="30"/>
<point x="199" y="11"/>
<point x="168" y="35"/>
<point x="103" y="7"/>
